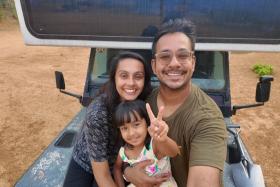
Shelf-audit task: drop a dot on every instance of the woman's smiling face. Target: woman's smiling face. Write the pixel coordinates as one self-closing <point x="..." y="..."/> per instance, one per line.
<point x="129" y="77"/>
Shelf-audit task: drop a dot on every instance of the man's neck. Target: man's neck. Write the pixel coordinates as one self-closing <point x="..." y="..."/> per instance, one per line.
<point x="172" y="99"/>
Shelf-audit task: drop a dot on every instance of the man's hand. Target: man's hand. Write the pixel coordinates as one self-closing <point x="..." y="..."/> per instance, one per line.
<point x="137" y="176"/>
<point x="158" y="129"/>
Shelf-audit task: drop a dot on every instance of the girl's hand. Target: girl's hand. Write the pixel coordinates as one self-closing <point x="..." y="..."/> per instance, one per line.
<point x="158" y="129"/>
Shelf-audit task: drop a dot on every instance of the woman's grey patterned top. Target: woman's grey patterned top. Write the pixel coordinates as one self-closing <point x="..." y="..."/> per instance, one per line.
<point x="97" y="140"/>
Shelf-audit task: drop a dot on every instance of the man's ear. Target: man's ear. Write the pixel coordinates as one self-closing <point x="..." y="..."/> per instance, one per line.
<point x="153" y="64"/>
<point x="194" y="62"/>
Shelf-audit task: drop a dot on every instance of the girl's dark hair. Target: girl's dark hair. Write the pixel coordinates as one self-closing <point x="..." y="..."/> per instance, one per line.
<point x="113" y="97"/>
<point x="128" y="111"/>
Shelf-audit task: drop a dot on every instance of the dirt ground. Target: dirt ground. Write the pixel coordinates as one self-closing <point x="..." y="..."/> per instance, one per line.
<point x="33" y="112"/>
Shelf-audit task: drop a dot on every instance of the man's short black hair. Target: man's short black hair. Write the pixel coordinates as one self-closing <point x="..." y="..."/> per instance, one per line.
<point x="175" y="25"/>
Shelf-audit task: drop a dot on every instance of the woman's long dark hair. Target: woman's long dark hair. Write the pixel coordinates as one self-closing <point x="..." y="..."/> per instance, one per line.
<point x="112" y="95"/>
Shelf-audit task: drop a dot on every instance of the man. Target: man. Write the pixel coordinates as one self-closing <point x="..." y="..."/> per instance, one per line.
<point x="195" y="121"/>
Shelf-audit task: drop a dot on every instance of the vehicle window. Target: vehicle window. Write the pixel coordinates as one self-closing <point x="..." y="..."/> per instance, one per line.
<point x="209" y="71"/>
<point x="103" y="57"/>
<point x="208" y="75"/>
<point x="100" y="64"/>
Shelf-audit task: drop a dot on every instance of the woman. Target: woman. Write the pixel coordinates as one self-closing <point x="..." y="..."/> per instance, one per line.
<point x="97" y="147"/>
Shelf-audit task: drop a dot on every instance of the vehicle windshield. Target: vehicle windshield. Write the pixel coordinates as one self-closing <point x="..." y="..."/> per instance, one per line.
<point x="209" y="72"/>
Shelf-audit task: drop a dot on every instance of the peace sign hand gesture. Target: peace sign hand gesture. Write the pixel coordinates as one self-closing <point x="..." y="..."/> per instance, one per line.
<point x="158" y="129"/>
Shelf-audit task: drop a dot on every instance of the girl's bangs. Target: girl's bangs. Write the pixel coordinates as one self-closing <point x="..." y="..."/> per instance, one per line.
<point x="128" y="117"/>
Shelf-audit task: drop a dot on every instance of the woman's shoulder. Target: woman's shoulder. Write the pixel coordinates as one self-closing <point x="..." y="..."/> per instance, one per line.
<point x="99" y="101"/>
<point x="98" y="105"/>
<point x="97" y="114"/>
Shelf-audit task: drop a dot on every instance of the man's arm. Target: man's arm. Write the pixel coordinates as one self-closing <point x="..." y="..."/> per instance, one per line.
<point x="102" y="174"/>
<point x="208" y="149"/>
<point x="118" y="172"/>
<point x="137" y="176"/>
<point x="207" y="153"/>
<point x="203" y="176"/>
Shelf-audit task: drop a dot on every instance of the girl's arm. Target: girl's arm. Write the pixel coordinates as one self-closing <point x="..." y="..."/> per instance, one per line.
<point x="158" y="129"/>
<point x="102" y="174"/>
<point x="118" y="175"/>
<point x="166" y="147"/>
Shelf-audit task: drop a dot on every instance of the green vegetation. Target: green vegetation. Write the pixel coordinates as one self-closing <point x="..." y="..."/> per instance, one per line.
<point x="7" y="9"/>
<point x="1" y="14"/>
<point x="263" y="69"/>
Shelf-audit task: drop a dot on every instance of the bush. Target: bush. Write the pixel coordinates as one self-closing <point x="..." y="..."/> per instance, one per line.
<point x="263" y="69"/>
<point x="13" y="10"/>
<point x="1" y="14"/>
<point x="7" y="9"/>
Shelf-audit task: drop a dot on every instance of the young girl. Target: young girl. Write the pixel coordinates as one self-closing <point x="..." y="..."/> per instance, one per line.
<point x="143" y="141"/>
